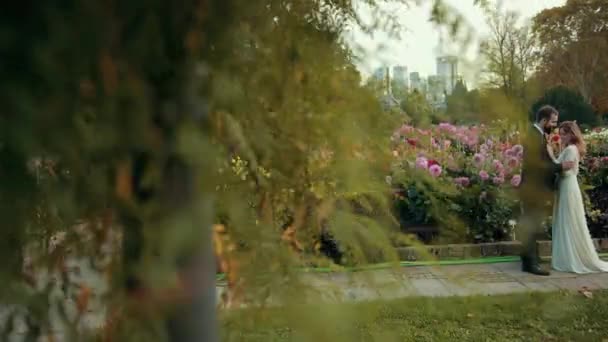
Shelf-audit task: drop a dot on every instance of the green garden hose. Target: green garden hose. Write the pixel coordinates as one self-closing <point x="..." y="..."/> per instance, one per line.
<point x="476" y="261"/>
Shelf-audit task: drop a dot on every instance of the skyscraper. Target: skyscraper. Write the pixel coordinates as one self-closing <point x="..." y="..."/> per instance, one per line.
<point x="400" y="75"/>
<point x="447" y="70"/>
<point x="415" y="81"/>
<point x="380" y="73"/>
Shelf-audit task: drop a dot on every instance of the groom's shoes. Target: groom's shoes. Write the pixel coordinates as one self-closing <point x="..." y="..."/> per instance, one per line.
<point x="534" y="268"/>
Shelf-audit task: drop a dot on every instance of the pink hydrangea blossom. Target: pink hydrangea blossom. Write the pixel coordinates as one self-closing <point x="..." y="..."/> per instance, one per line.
<point x="498" y="165"/>
<point x="478" y="159"/>
<point x="484" y="175"/>
<point x="462" y="181"/>
<point x="435" y="170"/>
<point x="498" y="180"/>
<point x="516" y="180"/>
<point x="518" y="149"/>
<point x="422" y="163"/>
<point x="447" y="127"/>
<point x="434" y="143"/>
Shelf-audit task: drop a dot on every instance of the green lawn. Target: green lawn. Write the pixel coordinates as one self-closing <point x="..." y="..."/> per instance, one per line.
<point x="520" y="317"/>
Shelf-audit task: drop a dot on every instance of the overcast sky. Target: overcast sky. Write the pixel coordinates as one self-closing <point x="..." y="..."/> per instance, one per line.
<point x="418" y="45"/>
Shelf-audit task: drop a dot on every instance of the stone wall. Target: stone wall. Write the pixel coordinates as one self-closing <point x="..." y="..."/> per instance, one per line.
<point x="466" y="251"/>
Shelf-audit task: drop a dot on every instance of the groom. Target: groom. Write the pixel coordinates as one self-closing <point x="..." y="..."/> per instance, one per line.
<point x="540" y="177"/>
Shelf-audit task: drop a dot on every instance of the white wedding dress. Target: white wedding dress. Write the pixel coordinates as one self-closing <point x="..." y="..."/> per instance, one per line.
<point x="573" y="249"/>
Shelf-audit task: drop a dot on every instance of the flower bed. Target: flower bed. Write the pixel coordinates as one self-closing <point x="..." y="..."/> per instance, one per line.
<point x="461" y="178"/>
<point x="595" y="176"/>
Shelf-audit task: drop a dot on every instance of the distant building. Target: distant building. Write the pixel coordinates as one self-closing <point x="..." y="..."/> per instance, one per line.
<point x="416" y="81"/>
<point x="380" y="73"/>
<point x="400" y="75"/>
<point x="436" y="88"/>
<point x="386" y="98"/>
<point x="447" y="71"/>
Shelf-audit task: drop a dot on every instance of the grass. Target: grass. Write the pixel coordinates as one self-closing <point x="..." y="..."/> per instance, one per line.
<point x="557" y="316"/>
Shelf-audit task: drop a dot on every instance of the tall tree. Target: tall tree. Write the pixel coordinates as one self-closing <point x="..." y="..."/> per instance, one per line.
<point x="463" y="105"/>
<point x="574" y="48"/>
<point x="570" y="104"/>
<point x="509" y="52"/>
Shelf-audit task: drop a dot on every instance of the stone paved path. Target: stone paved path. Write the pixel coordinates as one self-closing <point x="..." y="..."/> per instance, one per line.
<point x="387" y="284"/>
<point x="441" y="281"/>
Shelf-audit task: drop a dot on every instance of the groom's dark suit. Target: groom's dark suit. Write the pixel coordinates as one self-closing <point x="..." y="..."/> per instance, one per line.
<point x="539" y="181"/>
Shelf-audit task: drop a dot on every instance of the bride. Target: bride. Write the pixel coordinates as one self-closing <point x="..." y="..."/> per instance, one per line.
<point x="573" y="249"/>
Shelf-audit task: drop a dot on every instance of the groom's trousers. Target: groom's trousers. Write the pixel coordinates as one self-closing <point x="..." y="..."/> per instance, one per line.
<point x="536" y="206"/>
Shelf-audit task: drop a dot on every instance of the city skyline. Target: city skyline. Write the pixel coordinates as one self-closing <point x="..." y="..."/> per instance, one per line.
<point x="424" y="39"/>
<point x="443" y="80"/>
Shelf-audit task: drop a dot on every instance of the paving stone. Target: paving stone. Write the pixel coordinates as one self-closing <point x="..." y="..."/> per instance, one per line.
<point x="326" y="294"/>
<point x="541" y="286"/>
<point x="557" y="274"/>
<point x="339" y="278"/>
<point x="468" y="288"/>
<point x="377" y="277"/>
<point x="508" y="267"/>
<point x="600" y="279"/>
<point x="574" y="284"/>
<point x="396" y="290"/>
<point x="430" y="288"/>
<point x="316" y="279"/>
<point x="359" y="294"/>
<point x="466" y="271"/>
<point x="507" y="287"/>
<point x="459" y="287"/>
<point x="422" y="272"/>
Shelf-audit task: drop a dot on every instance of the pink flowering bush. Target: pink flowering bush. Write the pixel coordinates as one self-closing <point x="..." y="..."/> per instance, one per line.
<point x="469" y="172"/>
<point x="595" y="177"/>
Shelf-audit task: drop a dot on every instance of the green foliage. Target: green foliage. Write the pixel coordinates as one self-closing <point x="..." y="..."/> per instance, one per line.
<point x="418" y="108"/>
<point x="488" y="213"/>
<point x="573" y="50"/>
<point x="172" y="93"/>
<point x="143" y="107"/>
<point x="537" y="316"/>
<point x="594" y="176"/>
<point x="462" y="104"/>
<point x="570" y="104"/>
<point x="399" y="90"/>
<point x="509" y="52"/>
